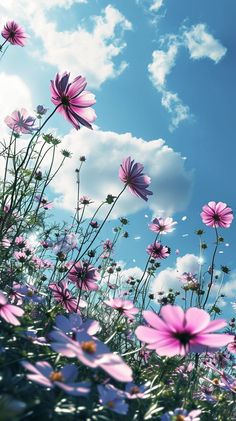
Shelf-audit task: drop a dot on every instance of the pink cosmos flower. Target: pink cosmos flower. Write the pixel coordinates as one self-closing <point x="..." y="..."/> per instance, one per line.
<point x="43" y="374"/>
<point x="125" y="307"/>
<point x="91" y="352"/>
<point x="63" y="296"/>
<point x="20" y="122"/>
<point x="158" y="251"/>
<point x="72" y="100"/>
<point x="217" y="215"/>
<point x="14" y="33"/>
<point x="84" y="276"/>
<point x="132" y="175"/>
<point x="162" y="226"/>
<point x="177" y="333"/>
<point x="9" y="311"/>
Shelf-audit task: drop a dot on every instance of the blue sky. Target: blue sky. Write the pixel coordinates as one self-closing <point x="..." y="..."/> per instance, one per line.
<point x="160" y="70"/>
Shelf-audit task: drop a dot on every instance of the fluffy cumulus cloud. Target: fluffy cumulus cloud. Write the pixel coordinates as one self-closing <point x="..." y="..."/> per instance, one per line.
<point x="200" y="44"/>
<point x="78" y="48"/>
<point x="104" y="151"/>
<point x="169" y="277"/>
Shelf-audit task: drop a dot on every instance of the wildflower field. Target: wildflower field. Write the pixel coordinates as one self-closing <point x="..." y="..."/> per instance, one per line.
<point x="84" y="335"/>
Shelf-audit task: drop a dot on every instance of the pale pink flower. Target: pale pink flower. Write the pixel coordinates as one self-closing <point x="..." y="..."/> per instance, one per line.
<point x="177" y="333"/>
<point x="72" y="100"/>
<point x="132" y="174"/>
<point x="14" y="33"/>
<point x="9" y="312"/>
<point x="43" y="374"/>
<point x="20" y="122"/>
<point x="91" y="352"/>
<point x="162" y="226"/>
<point x="125" y="307"/>
<point x="217" y="215"/>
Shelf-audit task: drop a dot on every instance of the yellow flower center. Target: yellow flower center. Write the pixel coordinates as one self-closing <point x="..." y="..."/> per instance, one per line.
<point x="134" y="390"/>
<point x="30" y="293"/>
<point x="180" y="418"/>
<point x="215" y="381"/>
<point x="89" y="347"/>
<point x="56" y="376"/>
<point x="110" y="404"/>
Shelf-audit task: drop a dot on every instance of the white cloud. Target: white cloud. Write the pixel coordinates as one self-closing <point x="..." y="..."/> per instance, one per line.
<point x="15" y="94"/>
<point x="156" y="5"/>
<point x="202" y="44"/>
<point x="90" y="53"/>
<point x="169" y="277"/>
<point x="171" y="182"/>
<point x="229" y="288"/>
<point x="162" y="64"/>
<point x="174" y="105"/>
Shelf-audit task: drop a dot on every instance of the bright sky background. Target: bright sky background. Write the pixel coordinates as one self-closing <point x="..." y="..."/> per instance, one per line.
<point x="163" y="72"/>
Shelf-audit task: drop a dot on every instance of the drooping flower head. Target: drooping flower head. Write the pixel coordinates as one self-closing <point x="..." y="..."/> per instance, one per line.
<point x="158" y="251"/>
<point x="175" y="332"/>
<point x="84" y="276"/>
<point x="132" y="174"/>
<point x="14" y="33"/>
<point x="162" y="226"/>
<point x="217" y="215"/>
<point x="72" y="100"/>
<point x="20" y="122"/>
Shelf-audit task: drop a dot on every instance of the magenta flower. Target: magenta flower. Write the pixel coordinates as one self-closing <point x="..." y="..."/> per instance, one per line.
<point x="9" y="312"/>
<point x="14" y="33"/>
<point x="20" y="122"/>
<point x="162" y="226"/>
<point x="43" y="374"/>
<point x="91" y="352"/>
<point x="84" y="276"/>
<point x="72" y="100"/>
<point x="217" y="215"/>
<point x="158" y="251"/>
<point x="177" y="333"/>
<point x="131" y="174"/>
<point x="125" y="307"/>
<point x="63" y="296"/>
